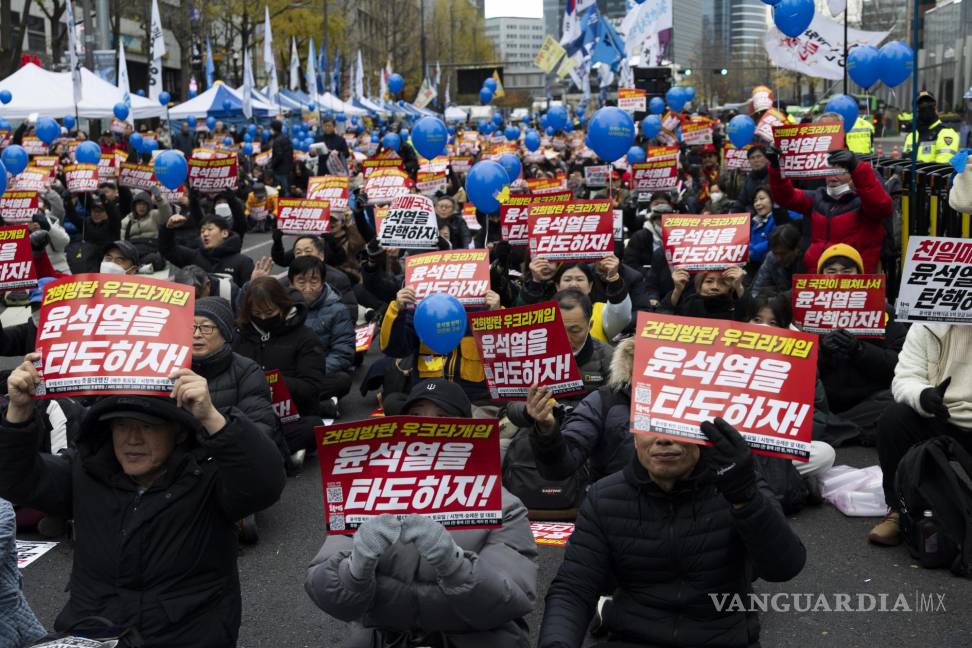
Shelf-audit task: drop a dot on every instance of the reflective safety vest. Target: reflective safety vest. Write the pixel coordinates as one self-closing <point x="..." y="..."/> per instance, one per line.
<point x="937" y="144"/>
<point x="860" y="139"/>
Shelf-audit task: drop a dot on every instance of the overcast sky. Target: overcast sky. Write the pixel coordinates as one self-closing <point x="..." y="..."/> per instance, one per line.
<point x="525" y="8"/>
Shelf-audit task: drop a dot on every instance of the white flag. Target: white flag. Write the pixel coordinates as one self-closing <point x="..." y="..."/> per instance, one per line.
<point x="157" y="49"/>
<point x="294" y="65"/>
<point x="819" y="50"/>
<point x="123" y="83"/>
<point x="247" y="85"/>
<point x="837" y="6"/>
<point x="310" y="73"/>
<point x="425" y="94"/>
<point x="447" y="92"/>
<point x="382" y="85"/>
<point x="438" y="78"/>
<point x="269" y="65"/>
<point x="73" y="53"/>
<point x="641" y="28"/>
<point x="359" y="78"/>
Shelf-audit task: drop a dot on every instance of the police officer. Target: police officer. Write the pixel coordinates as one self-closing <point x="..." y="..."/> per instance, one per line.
<point x="861" y="138"/>
<point x="936" y="142"/>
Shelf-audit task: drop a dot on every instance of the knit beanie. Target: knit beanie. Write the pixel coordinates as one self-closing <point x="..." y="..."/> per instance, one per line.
<point x="218" y="311"/>
<point x="840" y="250"/>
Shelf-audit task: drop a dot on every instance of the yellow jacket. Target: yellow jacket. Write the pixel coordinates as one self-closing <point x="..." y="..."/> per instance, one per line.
<point x="938" y="144"/>
<point x="261" y="209"/>
<point x="861" y="138"/>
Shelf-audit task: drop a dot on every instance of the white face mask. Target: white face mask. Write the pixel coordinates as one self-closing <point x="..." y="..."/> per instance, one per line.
<point x="838" y="191"/>
<point x="110" y="267"/>
<point x="716" y="197"/>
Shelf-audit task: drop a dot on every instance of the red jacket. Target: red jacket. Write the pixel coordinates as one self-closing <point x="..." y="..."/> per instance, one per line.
<point x="856" y="218"/>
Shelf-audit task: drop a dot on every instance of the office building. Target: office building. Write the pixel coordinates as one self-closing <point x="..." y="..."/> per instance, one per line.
<point x="516" y="42"/>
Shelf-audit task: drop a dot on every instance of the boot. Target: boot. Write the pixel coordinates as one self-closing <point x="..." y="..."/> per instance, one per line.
<point x="887" y="532"/>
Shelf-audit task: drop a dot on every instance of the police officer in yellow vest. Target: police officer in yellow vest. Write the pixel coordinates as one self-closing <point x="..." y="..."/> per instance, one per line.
<point x="936" y="142"/>
<point x="861" y="138"/>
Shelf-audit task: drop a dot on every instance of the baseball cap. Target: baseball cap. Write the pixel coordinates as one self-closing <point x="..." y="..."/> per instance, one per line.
<point x="128" y="250"/>
<point x="444" y="393"/>
<point x="924" y="95"/>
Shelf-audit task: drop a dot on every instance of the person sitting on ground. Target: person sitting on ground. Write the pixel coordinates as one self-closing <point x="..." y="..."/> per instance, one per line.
<point x="149" y="213"/>
<point x="413" y="582"/>
<point x="322" y="247"/>
<point x="220" y="253"/>
<point x="120" y="257"/>
<point x="716" y="296"/>
<point x="763" y="221"/>
<point x="783" y="260"/>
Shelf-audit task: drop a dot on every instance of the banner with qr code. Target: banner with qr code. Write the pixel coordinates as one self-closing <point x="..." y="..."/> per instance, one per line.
<point x="334" y="189"/>
<point x="464" y="274"/>
<point x="736" y="159"/>
<point x="283" y="404"/>
<point x="301" y="216"/>
<point x="654" y="175"/>
<point x="936" y="284"/>
<point x="806" y="147"/>
<point x="515" y="214"/>
<point x="582" y="230"/>
<point x="703" y="243"/>
<point x="81" y="178"/>
<point x="854" y="303"/>
<point x="552" y="534"/>
<point x="100" y="334"/>
<point x="525" y="346"/>
<point x="447" y="469"/>
<point x="18" y="207"/>
<point x="212" y="175"/>
<point x="758" y="378"/>
<point x="17" y="269"/>
<point x="410" y="224"/>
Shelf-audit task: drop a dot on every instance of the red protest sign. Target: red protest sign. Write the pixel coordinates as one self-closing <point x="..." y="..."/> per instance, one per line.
<point x="106" y="167"/>
<point x="18" y="206"/>
<point x="515" y="213"/>
<point x="444" y="468"/>
<point x="552" y="534"/>
<point x="363" y="335"/>
<point x="631" y="99"/>
<point x="101" y="334"/>
<point x="16" y="259"/>
<point x="385" y="185"/>
<point x="333" y="189"/>
<point x="854" y="303"/>
<point x="31" y="179"/>
<point x="525" y="346"/>
<point x="464" y="274"/>
<point x="701" y="243"/>
<point x="5" y="137"/>
<point x="469" y="215"/>
<point x="137" y="176"/>
<point x="766" y="127"/>
<point x="81" y="178"/>
<point x="213" y="174"/>
<point x="410" y="224"/>
<point x="736" y="159"/>
<point x="546" y="185"/>
<point x="758" y="378"/>
<point x="33" y="145"/>
<point x="659" y="174"/>
<point x="370" y="166"/>
<point x="460" y="163"/>
<point x="430" y="182"/>
<point x="283" y="404"/>
<point x="696" y="131"/>
<point x="806" y="147"/>
<point x="579" y="231"/>
<point x="45" y="161"/>
<point x="299" y="216"/>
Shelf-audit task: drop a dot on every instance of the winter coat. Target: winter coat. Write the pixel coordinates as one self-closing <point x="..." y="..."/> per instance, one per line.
<point x="336" y="278"/>
<point x="18" y="625"/>
<point x="459" y="235"/>
<point x="751" y="184"/>
<point x="328" y="318"/>
<point x="633" y="285"/>
<point x="665" y="555"/>
<point x="960" y="196"/>
<point x="164" y="560"/>
<point x="774" y="276"/>
<point x="481" y="605"/>
<point x="849" y="380"/>
<point x="295" y="350"/>
<point x="930" y="354"/>
<point x="236" y="381"/>
<point x="759" y="238"/>
<point x="281" y="156"/>
<point x="146" y="227"/>
<point x="225" y="260"/>
<point x="59" y="238"/>
<point x="857" y="218"/>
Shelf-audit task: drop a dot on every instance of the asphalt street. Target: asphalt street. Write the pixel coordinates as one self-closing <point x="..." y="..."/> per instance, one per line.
<point x="277" y="613"/>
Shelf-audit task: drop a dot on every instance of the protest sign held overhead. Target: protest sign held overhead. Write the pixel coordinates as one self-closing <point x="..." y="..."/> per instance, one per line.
<point x="410" y="224"/>
<point x="101" y="334"/>
<point x="137" y="176"/>
<point x="936" y="283"/>
<point x="515" y="214"/>
<point x="659" y="174"/>
<point x="696" y="131"/>
<point x="299" y="216"/>
<point x="334" y="189"/>
<point x="81" y="178"/>
<point x="464" y="274"/>
<point x="736" y="159"/>
<point x="854" y="303"/>
<point x="430" y="183"/>
<point x="16" y="259"/>
<point x="31" y="179"/>
<point x="759" y="379"/>
<point x="525" y="346"/>
<point x="283" y="403"/>
<point x="701" y="243"/>
<point x="385" y="185"/>
<point x="18" y="206"/>
<point x="447" y="469"/>
<point x="597" y="176"/>
<point x="582" y="230"/>
<point x="107" y="169"/>
<point x="806" y="147"/>
<point x="214" y="174"/>
<point x="632" y="99"/>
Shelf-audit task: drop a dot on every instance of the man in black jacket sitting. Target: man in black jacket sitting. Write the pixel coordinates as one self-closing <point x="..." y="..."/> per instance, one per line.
<point x="673" y="532"/>
<point x="219" y="253"/>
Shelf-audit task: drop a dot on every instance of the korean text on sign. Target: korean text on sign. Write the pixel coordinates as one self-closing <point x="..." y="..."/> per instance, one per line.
<point x="363" y="335"/>
<point x="16" y="259"/>
<point x="383" y="186"/>
<point x="334" y="189"/>
<point x="213" y="175"/>
<point x="554" y="534"/>
<point x="701" y="243"/>
<point x="18" y="206"/>
<point x="736" y="159"/>
<point x="299" y="216"/>
<point x="806" y="147"/>
<point x="523" y="346"/>
<point x="759" y="379"/>
<point x="631" y="99"/>
<point x="464" y="274"/>
<point x="137" y="176"/>
<point x="597" y="176"/>
<point x="582" y="230"/>
<point x="515" y="214"/>
<point x="854" y="303"/>
<point x="444" y="468"/>
<point x="696" y="131"/>
<point x="936" y="282"/>
<point x="81" y="178"/>
<point x="283" y="403"/>
<point x="655" y="175"/>
<point x="101" y="334"/>
<point x="410" y="224"/>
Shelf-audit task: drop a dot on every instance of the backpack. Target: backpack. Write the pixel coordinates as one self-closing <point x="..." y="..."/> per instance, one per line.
<point x="936" y="476"/>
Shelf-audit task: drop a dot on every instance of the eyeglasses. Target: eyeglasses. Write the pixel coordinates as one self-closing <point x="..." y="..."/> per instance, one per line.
<point x="205" y="329"/>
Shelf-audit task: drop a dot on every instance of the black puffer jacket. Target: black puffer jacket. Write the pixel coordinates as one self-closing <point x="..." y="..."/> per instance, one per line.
<point x="665" y="552"/>
<point x="162" y="561"/>
<point x="235" y="381"/>
<point x="224" y="260"/>
<point x="296" y="351"/>
<point x="848" y="380"/>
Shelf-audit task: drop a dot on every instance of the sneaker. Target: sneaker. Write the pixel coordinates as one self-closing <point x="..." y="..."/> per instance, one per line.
<point x="298" y="458"/>
<point x="887" y="532"/>
<point x="330" y="409"/>
<point x="249" y="532"/>
<point x="598" y="627"/>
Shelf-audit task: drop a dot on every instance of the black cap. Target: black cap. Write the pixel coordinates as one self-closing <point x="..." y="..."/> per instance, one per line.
<point x="924" y="95"/>
<point x="444" y="393"/>
<point x="150" y="409"/>
<point x="128" y="250"/>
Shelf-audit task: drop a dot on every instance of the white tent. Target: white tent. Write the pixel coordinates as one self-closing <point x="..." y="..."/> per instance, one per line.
<point x="51" y="94"/>
<point x="328" y="101"/>
<point x="455" y="114"/>
<point x="213" y="102"/>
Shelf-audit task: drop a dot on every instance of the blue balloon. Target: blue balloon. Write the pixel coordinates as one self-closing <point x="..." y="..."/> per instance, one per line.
<point x="120" y="111"/>
<point x="651" y="126"/>
<point x="544" y="122"/>
<point x="391" y="141"/>
<point x="341" y="117"/>
<point x="374" y="138"/>
<point x="210" y="122"/>
<point x="512" y="133"/>
<point x="15" y="158"/>
<point x="191" y="121"/>
<point x="295" y="143"/>
<point x="960" y="160"/>
<point x="846" y="107"/>
<point x="396" y="83"/>
<point x="611" y="133"/>
<point x="485" y="95"/>
<point x="526" y="119"/>
<point x="511" y="164"/>
<point x="251" y="129"/>
<point x="484" y="184"/>
<point x="429" y="137"/>
<point x="498" y="119"/>
<point x="227" y="104"/>
<point x="676" y="98"/>
<point x="5" y="97"/>
<point x="440" y="322"/>
<point x="403" y="133"/>
<point x="135" y="140"/>
<point x="550" y="131"/>
<point x="164" y="98"/>
<point x="68" y="121"/>
<point x="265" y="135"/>
<point x="171" y="169"/>
<point x="741" y="130"/>
<point x="88" y="152"/>
<point x="689" y="93"/>
<point x="3" y="178"/>
<point x="656" y="106"/>
<point x="247" y="138"/>
<point x="636" y="154"/>
<point x="792" y="17"/>
<point x="531" y="140"/>
<point x="140" y="92"/>
<point x="227" y="141"/>
<point x="4" y="124"/>
<point x="864" y="65"/>
<point x="47" y="130"/>
<point x="490" y="83"/>
<point x="771" y="3"/>
<point x="557" y="117"/>
<point x="568" y="127"/>
<point x="482" y="126"/>
<point x="897" y="63"/>
<point x="354" y="119"/>
<point x="248" y="149"/>
<point x="150" y="145"/>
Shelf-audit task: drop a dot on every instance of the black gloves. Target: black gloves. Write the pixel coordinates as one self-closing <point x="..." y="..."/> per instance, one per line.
<point x="932" y="400"/>
<point x="735" y="473"/>
<point x="840" y="343"/>
<point x="843" y="158"/>
<point x="773" y="155"/>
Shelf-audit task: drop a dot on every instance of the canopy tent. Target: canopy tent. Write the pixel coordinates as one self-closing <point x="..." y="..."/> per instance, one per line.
<point x="329" y="102"/>
<point x="288" y="102"/>
<point x="456" y="114"/>
<point x="263" y="97"/>
<point x="298" y="96"/>
<point x="371" y="106"/>
<point x="212" y="103"/>
<point x="51" y="94"/>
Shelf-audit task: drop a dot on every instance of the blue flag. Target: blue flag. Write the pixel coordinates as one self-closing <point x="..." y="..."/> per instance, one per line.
<point x="322" y="70"/>
<point x="210" y="66"/>
<point x="336" y="75"/>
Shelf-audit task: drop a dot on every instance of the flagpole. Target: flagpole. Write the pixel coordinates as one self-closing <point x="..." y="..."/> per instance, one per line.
<point x="846" y="12"/>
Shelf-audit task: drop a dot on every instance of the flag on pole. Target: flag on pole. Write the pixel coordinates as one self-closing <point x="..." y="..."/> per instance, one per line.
<point x="210" y="66"/>
<point x="499" y="93"/>
<point x="382" y="85"/>
<point x="247" y="85"/>
<point x="269" y="64"/>
<point x="438" y="78"/>
<point x="157" y="49"/>
<point x="359" y="78"/>
<point x="837" y="6"/>
<point x="336" y="75"/>
<point x="322" y="80"/>
<point x="294" y="65"/>
<point x="123" y="83"/>
<point x="73" y="53"/>
<point x="447" y="93"/>
<point x="310" y="74"/>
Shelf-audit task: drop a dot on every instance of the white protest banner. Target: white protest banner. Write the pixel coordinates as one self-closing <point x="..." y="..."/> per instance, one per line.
<point x="936" y="284"/>
<point x="597" y="176"/>
<point x="410" y="224"/>
<point x="819" y="50"/>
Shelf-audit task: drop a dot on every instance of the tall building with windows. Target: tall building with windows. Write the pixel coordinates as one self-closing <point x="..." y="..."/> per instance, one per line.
<point x="516" y="41"/>
<point x="945" y="60"/>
